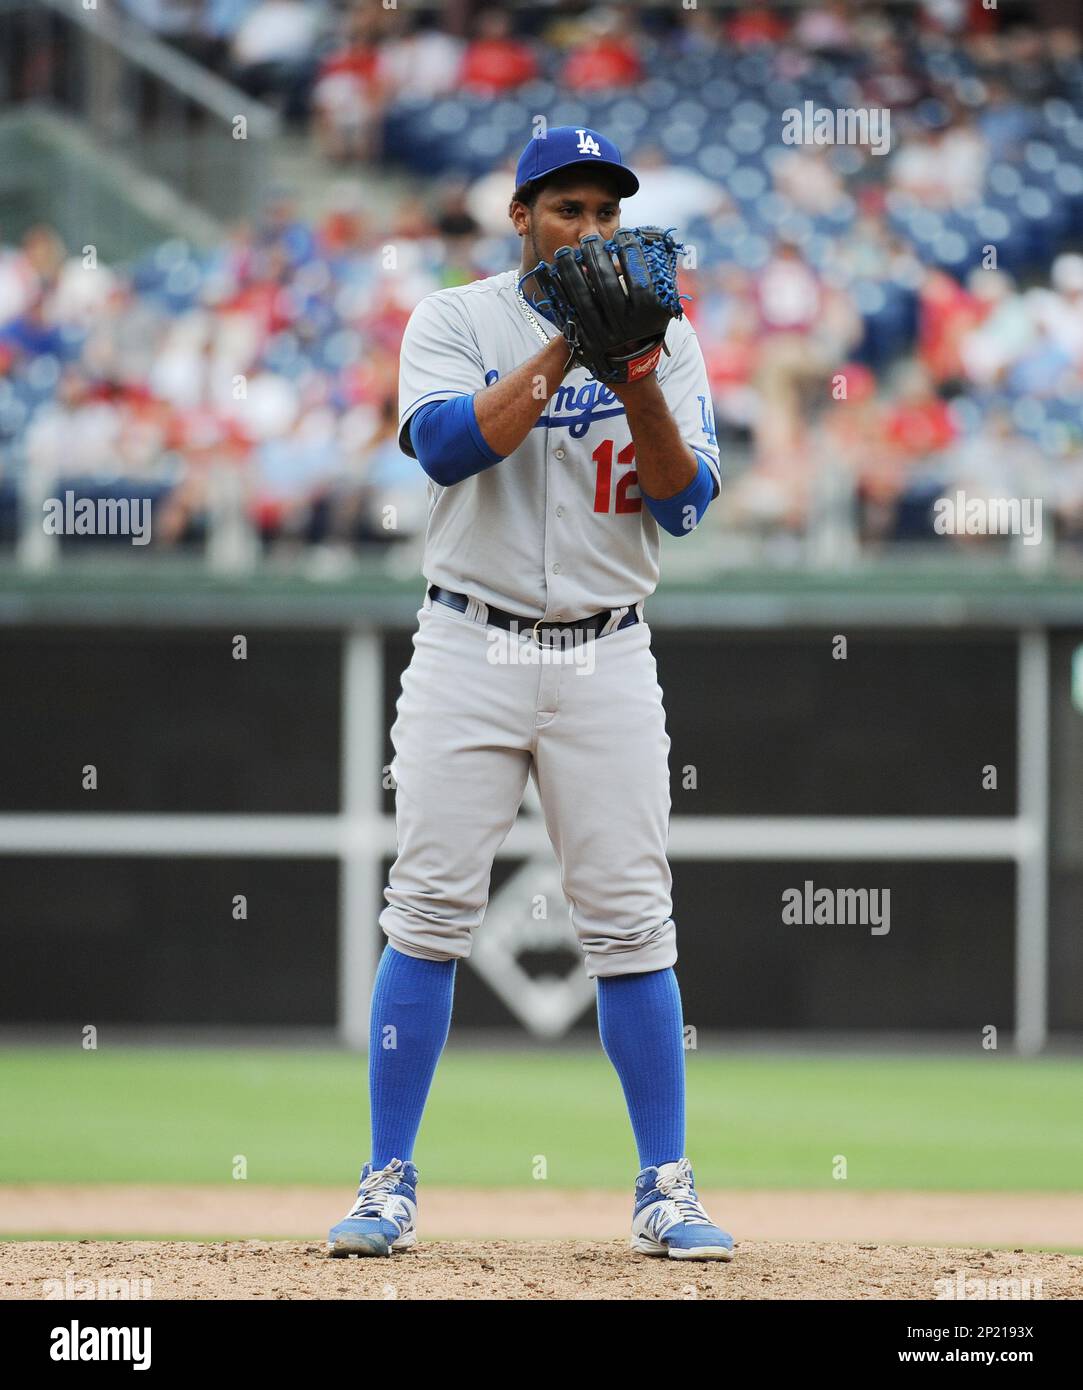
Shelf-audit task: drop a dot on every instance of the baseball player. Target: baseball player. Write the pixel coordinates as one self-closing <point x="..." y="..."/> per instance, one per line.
<point x="547" y="491"/>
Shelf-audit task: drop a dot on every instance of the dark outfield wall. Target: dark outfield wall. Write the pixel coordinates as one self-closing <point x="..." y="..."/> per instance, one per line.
<point x="774" y="726"/>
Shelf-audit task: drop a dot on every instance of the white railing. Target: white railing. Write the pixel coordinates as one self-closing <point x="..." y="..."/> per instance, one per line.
<point x="187" y="137"/>
<point x="362" y="835"/>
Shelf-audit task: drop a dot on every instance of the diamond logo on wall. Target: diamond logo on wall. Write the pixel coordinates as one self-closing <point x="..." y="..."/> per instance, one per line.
<point x="549" y="1004"/>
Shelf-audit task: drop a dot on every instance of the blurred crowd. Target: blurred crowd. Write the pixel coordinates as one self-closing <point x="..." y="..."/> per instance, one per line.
<point x="270" y="365"/>
<point x="340" y="64"/>
<point x="878" y="331"/>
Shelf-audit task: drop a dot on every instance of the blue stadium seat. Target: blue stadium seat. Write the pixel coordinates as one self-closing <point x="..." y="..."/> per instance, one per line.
<point x="746" y="137"/>
<point x="719" y="94"/>
<point x="716" y="161"/>
<point x="747" y="183"/>
<point x="659" y="94"/>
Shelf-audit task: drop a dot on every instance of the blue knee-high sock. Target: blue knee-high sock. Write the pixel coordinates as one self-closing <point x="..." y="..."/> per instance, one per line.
<point x="642" y="1030"/>
<point x="409" y="1024"/>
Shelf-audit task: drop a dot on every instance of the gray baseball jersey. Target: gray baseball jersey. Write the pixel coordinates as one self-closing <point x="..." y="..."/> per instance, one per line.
<point x="557" y="530"/>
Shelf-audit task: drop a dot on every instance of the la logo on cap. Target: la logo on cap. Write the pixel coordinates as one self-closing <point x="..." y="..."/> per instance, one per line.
<point x="587" y="143"/>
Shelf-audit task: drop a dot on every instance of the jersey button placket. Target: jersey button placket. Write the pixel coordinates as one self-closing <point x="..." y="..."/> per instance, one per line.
<point x="560" y="457"/>
<point x="555" y="454"/>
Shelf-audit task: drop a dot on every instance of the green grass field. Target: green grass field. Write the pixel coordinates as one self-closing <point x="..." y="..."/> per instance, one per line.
<point x="177" y="1116"/>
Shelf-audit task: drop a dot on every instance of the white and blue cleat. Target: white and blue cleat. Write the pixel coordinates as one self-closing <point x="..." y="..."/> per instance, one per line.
<point x="669" y="1218"/>
<point x="384" y="1217"/>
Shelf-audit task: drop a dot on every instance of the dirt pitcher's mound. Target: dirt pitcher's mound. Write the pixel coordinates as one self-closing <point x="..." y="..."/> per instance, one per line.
<point x="500" y="1269"/>
<point x="244" y="1210"/>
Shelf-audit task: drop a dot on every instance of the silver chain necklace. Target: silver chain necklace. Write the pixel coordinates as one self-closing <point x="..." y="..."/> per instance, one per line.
<point x="531" y="317"/>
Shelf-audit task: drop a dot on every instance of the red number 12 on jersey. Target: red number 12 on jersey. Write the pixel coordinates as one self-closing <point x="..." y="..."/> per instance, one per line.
<point x="603" y="487"/>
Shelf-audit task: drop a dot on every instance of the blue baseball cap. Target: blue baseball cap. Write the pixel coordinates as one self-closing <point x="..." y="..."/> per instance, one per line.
<point x="567" y="145"/>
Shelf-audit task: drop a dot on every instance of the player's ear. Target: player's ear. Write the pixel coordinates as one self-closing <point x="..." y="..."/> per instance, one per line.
<point x="520" y="216"/>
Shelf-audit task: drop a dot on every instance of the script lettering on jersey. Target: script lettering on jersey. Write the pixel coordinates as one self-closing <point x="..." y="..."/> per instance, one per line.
<point x="579" y="406"/>
<point x="574" y="407"/>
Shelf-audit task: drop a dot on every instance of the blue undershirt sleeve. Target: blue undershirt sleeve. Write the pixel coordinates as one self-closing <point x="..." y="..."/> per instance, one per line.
<point x="683" y="512"/>
<point x="447" y="441"/>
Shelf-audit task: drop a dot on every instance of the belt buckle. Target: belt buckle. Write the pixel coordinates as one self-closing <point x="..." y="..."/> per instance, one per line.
<point x="545" y="646"/>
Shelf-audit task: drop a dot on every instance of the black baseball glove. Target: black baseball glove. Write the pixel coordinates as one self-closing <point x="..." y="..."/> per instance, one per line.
<point x="613" y="300"/>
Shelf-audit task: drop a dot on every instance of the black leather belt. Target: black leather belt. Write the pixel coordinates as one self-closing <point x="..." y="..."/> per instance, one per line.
<point x="512" y="622"/>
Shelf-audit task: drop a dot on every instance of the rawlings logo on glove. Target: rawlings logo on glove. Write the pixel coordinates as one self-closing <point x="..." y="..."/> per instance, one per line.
<point x="613" y="300"/>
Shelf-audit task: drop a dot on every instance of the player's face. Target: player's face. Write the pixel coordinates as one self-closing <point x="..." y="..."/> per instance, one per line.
<point x="562" y="216"/>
